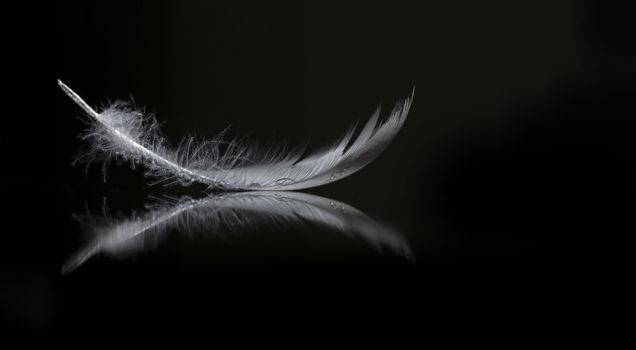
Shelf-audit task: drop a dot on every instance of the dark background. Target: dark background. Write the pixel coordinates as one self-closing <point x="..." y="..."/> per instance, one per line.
<point x="513" y="178"/>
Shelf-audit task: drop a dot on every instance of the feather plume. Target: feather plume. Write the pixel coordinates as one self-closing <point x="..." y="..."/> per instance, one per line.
<point x="120" y="131"/>
<point x="233" y="211"/>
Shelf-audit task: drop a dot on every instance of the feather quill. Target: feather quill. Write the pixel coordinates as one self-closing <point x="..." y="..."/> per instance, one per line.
<point x="120" y="131"/>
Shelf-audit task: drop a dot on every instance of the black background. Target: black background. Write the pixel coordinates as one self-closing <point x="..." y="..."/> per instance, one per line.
<point x="513" y="178"/>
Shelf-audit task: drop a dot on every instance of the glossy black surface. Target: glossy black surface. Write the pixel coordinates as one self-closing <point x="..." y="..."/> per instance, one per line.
<point x="512" y="181"/>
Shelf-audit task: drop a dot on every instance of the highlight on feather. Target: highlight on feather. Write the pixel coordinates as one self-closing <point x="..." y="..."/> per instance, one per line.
<point x="233" y="211"/>
<point x="119" y="131"/>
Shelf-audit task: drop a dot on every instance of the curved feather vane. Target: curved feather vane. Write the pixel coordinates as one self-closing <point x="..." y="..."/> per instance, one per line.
<point x="234" y="212"/>
<point x="121" y="131"/>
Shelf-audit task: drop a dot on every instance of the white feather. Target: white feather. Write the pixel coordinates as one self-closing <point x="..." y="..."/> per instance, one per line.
<point x="121" y="131"/>
<point x="235" y="212"/>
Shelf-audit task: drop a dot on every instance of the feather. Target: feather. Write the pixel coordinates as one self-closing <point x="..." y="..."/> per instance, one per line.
<point x="120" y="131"/>
<point x="234" y="211"/>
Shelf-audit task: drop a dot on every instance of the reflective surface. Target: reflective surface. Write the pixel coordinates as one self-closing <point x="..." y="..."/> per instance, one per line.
<point x="512" y="181"/>
<point x="230" y="213"/>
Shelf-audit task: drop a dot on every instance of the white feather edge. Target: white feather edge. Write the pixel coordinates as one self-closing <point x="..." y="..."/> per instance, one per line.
<point x="120" y="131"/>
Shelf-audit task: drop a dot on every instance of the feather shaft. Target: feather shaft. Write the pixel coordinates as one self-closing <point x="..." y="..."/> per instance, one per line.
<point x="141" y="149"/>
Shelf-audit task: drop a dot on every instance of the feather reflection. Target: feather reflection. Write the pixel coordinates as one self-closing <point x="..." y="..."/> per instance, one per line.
<point x="232" y="212"/>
